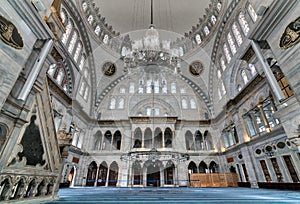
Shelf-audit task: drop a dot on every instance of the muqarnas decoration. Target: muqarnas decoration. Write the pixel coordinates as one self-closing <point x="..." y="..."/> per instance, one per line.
<point x="291" y="35"/>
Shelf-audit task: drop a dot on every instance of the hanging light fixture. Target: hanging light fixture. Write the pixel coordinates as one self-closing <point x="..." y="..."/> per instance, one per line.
<point x="150" y="50"/>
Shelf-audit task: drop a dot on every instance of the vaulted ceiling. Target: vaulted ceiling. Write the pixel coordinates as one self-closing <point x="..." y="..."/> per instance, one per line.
<point x="173" y="15"/>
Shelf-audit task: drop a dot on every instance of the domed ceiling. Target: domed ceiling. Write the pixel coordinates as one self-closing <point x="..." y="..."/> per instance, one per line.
<point x="173" y="15"/>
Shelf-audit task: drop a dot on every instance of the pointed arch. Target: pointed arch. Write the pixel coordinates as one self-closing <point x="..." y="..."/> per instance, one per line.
<point x="158" y="138"/>
<point x="192" y="167"/>
<point x="102" y="175"/>
<point x="189" y="141"/>
<point x="148" y="138"/>
<point x="113" y="174"/>
<point x="202" y="167"/>
<point x="91" y="174"/>
<point x="137" y="173"/>
<point x="169" y="173"/>
<point x="117" y="139"/>
<point x="198" y="140"/>
<point x="168" y="136"/>
<point x="97" y="140"/>
<point x="107" y="140"/>
<point x="208" y="143"/>
<point x="137" y="138"/>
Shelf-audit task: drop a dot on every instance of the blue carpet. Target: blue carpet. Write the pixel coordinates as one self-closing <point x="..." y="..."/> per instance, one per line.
<point x="89" y="195"/>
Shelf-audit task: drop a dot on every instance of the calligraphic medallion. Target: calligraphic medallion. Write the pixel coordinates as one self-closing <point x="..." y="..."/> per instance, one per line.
<point x="9" y="34"/>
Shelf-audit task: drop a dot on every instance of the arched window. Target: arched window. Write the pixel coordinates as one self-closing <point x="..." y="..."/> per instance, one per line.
<point x="112" y="103"/>
<point x="213" y="19"/>
<point x="223" y="64"/>
<point x="81" y="63"/>
<point x="77" y="51"/>
<point x="219" y="74"/>
<point x="149" y="86"/>
<point x="219" y="93"/>
<point x="226" y="52"/>
<point x="66" y="35"/>
<point x="244" y="76"/>
<point x="252" y="69"/>
<point x="97" y="30"/>
<point x="148" y="111"/>
<point x="239" y="88"/>
<point x="237" y="34"/>
<point x="84" y="6"/>
<point x="182" y="90"/>
<point x="206" y="30"/>
<point x="198" y="140"/>
<point x="51" y="70"/>
<point x="198" y="39"/>
<point x="60" y="76"/>
<point x="189" y="141"/>
<point x="168" y="138"/>
<point x="86" y="73"/>
<point x="192" y="168"/>
<point x="86" y="93"/>
<point x="184" y="104"/>
<point x="231" y="43"/>
<point x="252" y="13"/>
<point x="219" y="6"/>
<point x="243" y="23"/>
<point x="97" y="140"/>
<point x="117" y="138"/>
<point x="156" y="111"/>
<point x="164" y="87"/>
<point x="122" y="90"/>
<point x="137" y="138"/>
<point x="72" y="42"/>
<point x="63" y="16"/>
<point x="173" y="87"/>
<point x="90" y="19"/>
<point x="121" y="103"/>
<point x="131" y="87"/>
<point x="193" y="104"/>
<point x="82" y="88"/>
<point x="180" y="50"/>
<point x="105" y="39"/>
<point x="148" y="138"/>
<point x="223" y="88"/>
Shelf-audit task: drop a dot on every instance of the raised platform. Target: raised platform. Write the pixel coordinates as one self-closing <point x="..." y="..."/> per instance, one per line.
<point x="214" y="180"/>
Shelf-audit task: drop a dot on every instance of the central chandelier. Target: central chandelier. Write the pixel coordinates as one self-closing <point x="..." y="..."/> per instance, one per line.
<point x="150" y="50"/>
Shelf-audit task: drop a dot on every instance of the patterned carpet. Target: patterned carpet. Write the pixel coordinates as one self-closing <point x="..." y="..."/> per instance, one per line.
<point x="89" y="195"/>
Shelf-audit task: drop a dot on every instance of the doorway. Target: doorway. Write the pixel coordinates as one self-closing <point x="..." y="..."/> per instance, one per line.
<point x="153" y="175"/>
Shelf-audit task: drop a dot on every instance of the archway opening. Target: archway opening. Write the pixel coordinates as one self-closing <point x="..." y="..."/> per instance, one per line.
<point x="153" y="175"/>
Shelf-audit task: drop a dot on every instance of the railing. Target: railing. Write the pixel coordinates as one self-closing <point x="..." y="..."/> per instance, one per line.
<point x="214" y="180"/>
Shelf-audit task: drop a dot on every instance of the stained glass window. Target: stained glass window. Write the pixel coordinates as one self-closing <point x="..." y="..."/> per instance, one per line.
<point x="105" y="39"/>
<point x="227" y="52"/>
<point x="231" y="43"/>
<point x="121" y="103"/>
<point x="223" y="88"/>
<point x="243" y="23"/>
<point x="112" y="103"/>
<point x="131" y="87"/>
<point x="219" y="6"/>
<point x="90" y="19"/>
<point x="122" y="90"/>
<point x="193" y="104"/>
<point x="81" y="63"/>
<point x="82" y="87"/>
<point x="149" y="87"/>
<point x="252" y="13"/>
<point x="84" y="6"/>
<point x="77" y="51"/>
<point x="223" y="64"/>
<point x="63" y="16"/>
<point x="252" y="69"/>
<point x="156" y="86"/>
<point x="97" y="30"/>
<point x="219" y="74"/>
<point x="86" y="93"/>
<point x="213" y="19"/>
<point x="184" y="104"/>
<point x="66" y="35"/>
<point x="237" y="34"/>
<point x="157" y="111"/>
<point x="72" y="42"/>
<point x="148" y="111"/>
<point x="198" y="39"/>
<point x="173" y="88"/>
<point x="244" y="76"/>
<point x="206" y="30"/>
<point x="60" y="76"/>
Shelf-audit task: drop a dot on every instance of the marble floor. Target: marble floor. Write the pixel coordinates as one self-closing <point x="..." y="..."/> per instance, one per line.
<point x="89" y="195"/>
